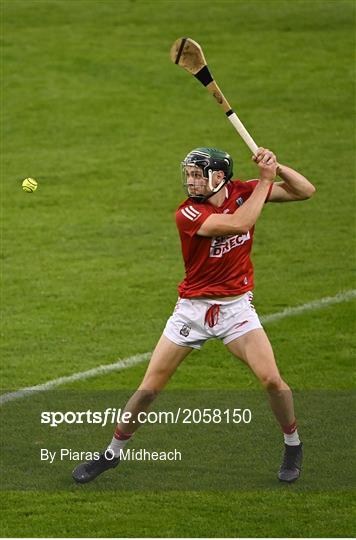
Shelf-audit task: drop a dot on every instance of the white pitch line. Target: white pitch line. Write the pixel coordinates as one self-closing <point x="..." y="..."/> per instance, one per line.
<point x="100" y="370"/>
<point x="139" y="358"/>
<point x="316" y="304"/>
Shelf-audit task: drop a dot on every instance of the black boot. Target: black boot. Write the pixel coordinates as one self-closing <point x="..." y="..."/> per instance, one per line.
<point x="292" y="463"/>
<point x="86" y="472"/>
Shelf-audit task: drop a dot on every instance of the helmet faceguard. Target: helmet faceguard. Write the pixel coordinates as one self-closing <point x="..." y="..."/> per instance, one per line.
<point x="205" y="161"/>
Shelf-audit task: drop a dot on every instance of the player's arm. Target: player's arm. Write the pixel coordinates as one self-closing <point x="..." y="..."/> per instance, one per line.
<point x="244" y="218"/>
<point x="294" y="187"/>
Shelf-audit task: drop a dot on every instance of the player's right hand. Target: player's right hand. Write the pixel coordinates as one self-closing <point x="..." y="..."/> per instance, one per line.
<point x="267" y="164"/>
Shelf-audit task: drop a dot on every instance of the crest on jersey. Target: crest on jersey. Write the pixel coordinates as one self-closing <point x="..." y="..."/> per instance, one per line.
<point x="239" y="201"/>
<point x="185" y="330"/>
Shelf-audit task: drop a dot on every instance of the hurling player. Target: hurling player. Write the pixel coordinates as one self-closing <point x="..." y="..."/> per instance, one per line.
<point x="216" y="227"/>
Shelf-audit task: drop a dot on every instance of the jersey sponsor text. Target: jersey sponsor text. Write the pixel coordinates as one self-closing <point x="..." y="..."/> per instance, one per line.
<point x="223" y="244"/>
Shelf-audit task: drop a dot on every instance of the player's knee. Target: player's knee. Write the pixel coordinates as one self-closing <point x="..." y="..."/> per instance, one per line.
<point x="272" y="382"/>
<point x="153" y="383"/>
<point x="146" y="396"/>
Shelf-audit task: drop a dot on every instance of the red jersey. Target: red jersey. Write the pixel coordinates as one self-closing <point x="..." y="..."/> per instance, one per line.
<point x="221" y="265"/>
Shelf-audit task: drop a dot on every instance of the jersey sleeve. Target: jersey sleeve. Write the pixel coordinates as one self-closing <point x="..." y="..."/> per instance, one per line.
<point x="190" y="218"/>
<point x="253" y="183"/>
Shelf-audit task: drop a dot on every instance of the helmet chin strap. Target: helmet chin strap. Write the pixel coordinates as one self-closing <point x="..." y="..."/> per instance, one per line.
<point x="210" y="182"/>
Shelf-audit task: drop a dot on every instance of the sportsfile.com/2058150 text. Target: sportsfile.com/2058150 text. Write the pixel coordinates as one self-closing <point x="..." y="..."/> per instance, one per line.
<point x="181" y="415"/>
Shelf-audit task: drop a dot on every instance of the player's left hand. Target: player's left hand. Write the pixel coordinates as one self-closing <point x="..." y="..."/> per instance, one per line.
<point x="265" y="156"/>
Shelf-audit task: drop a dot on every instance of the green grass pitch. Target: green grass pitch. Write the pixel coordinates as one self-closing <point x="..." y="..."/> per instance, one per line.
<point x="94" y="110"/>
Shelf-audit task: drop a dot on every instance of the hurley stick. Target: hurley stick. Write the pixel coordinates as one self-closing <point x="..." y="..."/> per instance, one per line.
<point x="189" y="55"/>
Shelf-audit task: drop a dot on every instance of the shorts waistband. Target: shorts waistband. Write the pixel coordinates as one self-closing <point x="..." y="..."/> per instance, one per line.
<point x="218" y="299"/>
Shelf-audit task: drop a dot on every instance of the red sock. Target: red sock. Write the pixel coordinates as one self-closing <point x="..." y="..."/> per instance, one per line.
<point x="291" y="436"/>
<point x="119" y="441"/>
<point x="121" y="436"/>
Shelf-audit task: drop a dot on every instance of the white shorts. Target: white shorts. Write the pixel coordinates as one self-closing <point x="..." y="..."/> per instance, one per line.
<point x="195" y="320"/>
